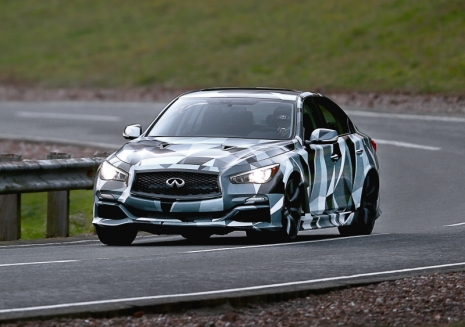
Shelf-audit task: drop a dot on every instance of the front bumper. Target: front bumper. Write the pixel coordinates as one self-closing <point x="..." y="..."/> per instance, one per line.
<point x="257" y="212"/>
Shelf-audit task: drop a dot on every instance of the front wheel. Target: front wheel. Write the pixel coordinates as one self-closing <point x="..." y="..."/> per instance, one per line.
<point x="116" y="235"/>
<point x="292" y="209"/>
<point x="366" y="213"/>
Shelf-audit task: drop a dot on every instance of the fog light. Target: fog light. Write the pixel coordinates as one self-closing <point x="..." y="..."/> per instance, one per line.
<point x="106" y="196"/>
<point x="256" y="199"/>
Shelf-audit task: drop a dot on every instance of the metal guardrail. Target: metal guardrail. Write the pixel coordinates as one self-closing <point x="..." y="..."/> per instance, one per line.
<point x="55" y="176"/>
<point x="47" y="175"/>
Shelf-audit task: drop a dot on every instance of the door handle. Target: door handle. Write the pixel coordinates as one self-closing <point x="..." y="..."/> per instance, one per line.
<point x="335" y="157"/>
<point x="359" y="151"/>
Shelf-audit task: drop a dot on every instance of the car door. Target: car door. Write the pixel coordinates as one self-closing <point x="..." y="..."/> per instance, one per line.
<point x="339" y="157"/>
<point x="330" y="165"/>
<point x="321" y="165"/>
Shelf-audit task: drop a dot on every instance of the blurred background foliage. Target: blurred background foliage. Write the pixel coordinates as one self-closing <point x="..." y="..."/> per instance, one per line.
<point x="331" y="45"/>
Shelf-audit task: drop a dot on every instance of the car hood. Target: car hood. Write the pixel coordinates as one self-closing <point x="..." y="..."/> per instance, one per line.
<point x="211" y="154"/>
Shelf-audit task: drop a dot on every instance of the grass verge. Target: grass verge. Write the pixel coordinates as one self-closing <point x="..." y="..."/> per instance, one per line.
<point x="361" y="45"/>
<point x="34" y="214"/>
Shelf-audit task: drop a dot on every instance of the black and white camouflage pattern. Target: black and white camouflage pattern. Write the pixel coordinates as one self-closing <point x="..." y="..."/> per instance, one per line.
<point x="327" y="186"/>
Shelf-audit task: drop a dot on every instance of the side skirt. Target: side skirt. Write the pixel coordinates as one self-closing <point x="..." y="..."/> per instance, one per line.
<point x="310" y="221"/>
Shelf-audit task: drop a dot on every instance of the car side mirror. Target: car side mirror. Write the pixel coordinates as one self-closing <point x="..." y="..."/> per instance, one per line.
<point x="323" y="136"/>
<point x="132" y="132"/>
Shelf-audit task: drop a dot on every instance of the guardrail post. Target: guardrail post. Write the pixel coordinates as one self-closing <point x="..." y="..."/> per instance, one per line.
<point x="10" y="208"/>
<point x="58" y="206"/>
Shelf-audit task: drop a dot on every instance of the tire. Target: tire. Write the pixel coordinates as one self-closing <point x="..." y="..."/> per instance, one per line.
<point x="366" y="213"/>
<point x="117" y="235"/>
<point x="292" y="208"/>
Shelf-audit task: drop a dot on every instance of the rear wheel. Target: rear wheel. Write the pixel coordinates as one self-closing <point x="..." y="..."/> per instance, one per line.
<point x="292" y="208"/>
<point x="116" y="235"/>
<point x="366" y="213"/>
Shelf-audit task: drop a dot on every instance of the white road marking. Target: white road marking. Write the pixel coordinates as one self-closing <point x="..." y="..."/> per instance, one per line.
<point x="71" y="242"/>
<point x="231" y="290"/>
<point x="407" y="145"/>
<point x="405" y="116"/>
<point x="46" y="262"/>
<point x="453" y="225"/>
<point x="281" y="244"/>
<point x="56" y="115"/>
<point x="35" y="263"/>
<point x="45" y="244"/>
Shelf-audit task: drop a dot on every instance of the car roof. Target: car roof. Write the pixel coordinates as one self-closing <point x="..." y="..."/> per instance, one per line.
<point x="257" y="92"/>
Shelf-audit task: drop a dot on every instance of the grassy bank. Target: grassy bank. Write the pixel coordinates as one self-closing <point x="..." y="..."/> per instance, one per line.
<point x="363" y="45"/>
<point x="34" y="214"/>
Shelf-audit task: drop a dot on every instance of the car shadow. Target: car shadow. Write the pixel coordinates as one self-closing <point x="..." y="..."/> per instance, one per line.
<point x="226" y="240"/>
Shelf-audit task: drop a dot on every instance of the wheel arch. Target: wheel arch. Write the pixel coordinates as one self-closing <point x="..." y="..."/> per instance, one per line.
<point x="295" y="169"/>
<point x="373" y="174"/>
<point x="303" y="190"/>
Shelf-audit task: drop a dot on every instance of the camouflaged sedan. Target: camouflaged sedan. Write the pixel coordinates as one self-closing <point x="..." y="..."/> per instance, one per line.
<point x="264" y="161"/>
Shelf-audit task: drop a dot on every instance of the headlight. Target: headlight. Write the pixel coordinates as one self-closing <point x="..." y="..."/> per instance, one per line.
<point x="256" y="176"/>
<point x="110" y="172"/>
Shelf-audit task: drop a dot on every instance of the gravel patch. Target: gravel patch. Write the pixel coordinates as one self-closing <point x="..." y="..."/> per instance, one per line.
<point x="40" y="150"/>
<point x="433" y="300"/>
<point x="431" y="104"/>
<point x="26" y="93"/>
<point x="403" y="103"/>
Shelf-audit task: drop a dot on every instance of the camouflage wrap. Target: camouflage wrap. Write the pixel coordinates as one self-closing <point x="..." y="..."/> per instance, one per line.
<point x="331" y="189"/>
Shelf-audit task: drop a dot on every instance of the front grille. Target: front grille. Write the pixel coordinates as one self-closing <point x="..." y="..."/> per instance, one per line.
<point x="196" y="185"/>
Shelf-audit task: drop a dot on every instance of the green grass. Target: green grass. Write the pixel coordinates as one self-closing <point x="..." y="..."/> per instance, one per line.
<point x="332" y="45"/>
<point x="34" y="214"/>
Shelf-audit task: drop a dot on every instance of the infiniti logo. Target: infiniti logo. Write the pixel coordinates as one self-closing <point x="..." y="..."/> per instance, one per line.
<point x="175" y="182"/>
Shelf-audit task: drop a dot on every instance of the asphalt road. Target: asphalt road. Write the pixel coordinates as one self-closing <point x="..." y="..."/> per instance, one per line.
<point x="421" y="228"/>
<point x="94" y="123"/>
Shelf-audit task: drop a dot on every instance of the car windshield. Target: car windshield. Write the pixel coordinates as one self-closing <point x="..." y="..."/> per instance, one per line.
<point x="227" y="117"/>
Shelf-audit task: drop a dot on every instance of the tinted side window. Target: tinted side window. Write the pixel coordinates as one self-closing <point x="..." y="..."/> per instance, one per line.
<point x="312" y="118"/>
<point x="334" y="116"/>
